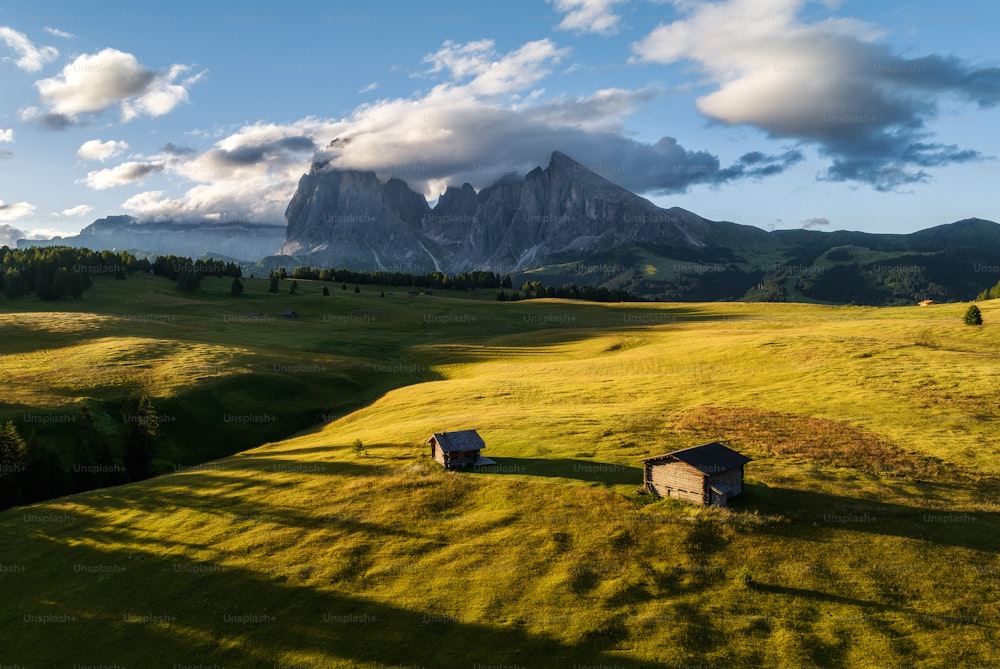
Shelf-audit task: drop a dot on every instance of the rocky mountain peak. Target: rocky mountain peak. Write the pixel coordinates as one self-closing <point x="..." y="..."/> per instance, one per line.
<point x="565" y="210"/>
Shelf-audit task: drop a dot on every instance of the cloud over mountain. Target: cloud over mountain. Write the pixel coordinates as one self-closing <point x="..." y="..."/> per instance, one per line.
<point x="121" y="175"/>
<point x="484" y="117"/>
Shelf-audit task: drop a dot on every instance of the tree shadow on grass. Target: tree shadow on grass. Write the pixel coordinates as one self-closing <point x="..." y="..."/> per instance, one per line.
<point x="240" y="499"/>
<point x="818" y="596"/>
<point x="813" y="514"/>
<point x="159" y="607"/>
<point x="581" y="470"/>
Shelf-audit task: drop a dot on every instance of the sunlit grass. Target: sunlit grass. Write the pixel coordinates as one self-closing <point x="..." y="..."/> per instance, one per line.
<point x="866" y="531"/>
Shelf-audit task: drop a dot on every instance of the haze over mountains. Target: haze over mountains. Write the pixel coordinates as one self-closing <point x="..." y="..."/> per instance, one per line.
<point x="567" y="224"/>
<point x="237" y="240"/>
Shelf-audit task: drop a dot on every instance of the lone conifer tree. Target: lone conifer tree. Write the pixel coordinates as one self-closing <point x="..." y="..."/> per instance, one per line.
<point x="973" y="316"/>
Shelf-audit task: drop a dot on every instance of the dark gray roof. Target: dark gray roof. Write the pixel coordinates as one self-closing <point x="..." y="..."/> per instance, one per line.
<point x="464" y="440"/>
<point x="709" y="459"/>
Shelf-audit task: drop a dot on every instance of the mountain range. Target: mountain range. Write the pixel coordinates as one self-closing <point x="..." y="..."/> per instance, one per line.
<point x="229" y="240"/>
<point x="567" y="224"/>
<point x="563" y="213"/>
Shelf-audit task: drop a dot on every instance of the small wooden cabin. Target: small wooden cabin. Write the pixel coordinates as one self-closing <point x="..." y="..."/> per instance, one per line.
<point x="706" y="474"/>
<point x="457" y="449"/>
<point x="926" y="303"/>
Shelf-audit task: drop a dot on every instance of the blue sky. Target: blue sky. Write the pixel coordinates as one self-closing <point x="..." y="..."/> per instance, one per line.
<point x="776" y="113"/>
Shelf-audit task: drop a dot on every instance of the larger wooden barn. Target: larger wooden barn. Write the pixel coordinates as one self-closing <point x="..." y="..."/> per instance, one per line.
<point x="458" y="449"/>
<point x="706" y="474"/>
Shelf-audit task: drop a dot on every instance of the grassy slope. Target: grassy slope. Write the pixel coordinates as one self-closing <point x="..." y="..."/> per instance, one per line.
<point x="300" y="553"/>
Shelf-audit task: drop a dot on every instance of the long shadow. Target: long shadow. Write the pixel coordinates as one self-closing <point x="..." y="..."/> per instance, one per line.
<point x="196" y="613"/>
<point x="580" y="470"/>
<point x="819" y="596"/>
<point x="813" y="514"/>
<point x="233" y="496"/>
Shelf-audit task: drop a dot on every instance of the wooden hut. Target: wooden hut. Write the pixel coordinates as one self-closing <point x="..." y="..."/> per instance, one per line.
<point x="706" y="474"/>
<point x="458" y="449"/>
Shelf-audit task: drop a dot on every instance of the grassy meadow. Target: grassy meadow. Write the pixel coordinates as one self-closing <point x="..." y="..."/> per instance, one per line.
<point x="867" y="535"/>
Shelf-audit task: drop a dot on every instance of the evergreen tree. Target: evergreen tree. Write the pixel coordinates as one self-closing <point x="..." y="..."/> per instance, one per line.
<point x="236" y="289"/>
<point x="12" y="461"/>
<point x="973" y="316"/>
<point x="44" y="477"/>
<point x="294" y="288"/>
<point x="273" y="280"/>
<point x="189" y="281"/>
<point x="137" y="436"/>
<point x="88" y="443"/>
<point x="357" y="289"/>
<point x="14" y="285"/>
<point x="326" y="291"/>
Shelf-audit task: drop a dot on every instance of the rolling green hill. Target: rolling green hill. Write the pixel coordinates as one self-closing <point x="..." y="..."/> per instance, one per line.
<point x="866" y="537"/>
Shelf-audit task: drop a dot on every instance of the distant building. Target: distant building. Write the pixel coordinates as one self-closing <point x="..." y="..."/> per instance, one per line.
<point x="706" y="474"/>
<point x="926" y="303"/>
<point x="289" y="314"/>
<point x="458" y="449"/>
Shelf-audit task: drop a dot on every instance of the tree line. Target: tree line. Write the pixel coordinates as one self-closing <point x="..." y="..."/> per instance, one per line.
<point x="60" y="272"/>
<point x="990" y="293"/>
<point x="33" y="471"/>
<point x="462" y="281"/>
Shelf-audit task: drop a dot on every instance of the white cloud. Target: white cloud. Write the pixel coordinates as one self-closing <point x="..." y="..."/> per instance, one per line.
<point x="121" y="175"/>
<point x="369" y="88"/>
<point x="94" y="83"/>
<point x="489" y="73"/>
<point x="59" y="33"/>
<point x="487" y="119"/>
<point x="78" y="210"/>
<point x="826" y="82"/>
<point x="30" y="58"/>
<point x="95" y="149"/>
<point x="6" y="135"/>
<point x="12" y="212"/>
<point x="162" y="96"/>
<point x="588" y="16"/>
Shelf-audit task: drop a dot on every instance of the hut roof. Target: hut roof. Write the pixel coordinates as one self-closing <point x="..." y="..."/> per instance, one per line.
<point x="711" y="458"/>
<point x="464" y="440"/>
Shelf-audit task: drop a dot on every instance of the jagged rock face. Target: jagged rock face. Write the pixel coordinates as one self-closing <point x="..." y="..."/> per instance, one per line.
<point x="350" y="219"/>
